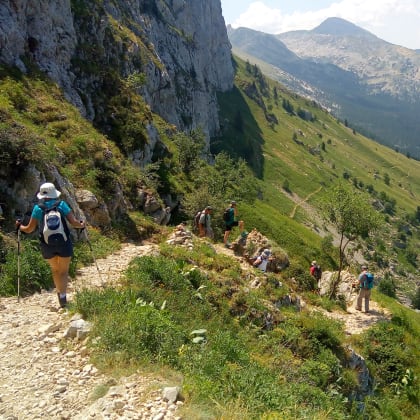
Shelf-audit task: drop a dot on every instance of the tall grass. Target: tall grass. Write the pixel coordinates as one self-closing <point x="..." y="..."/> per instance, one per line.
<point x="167" y="302"/>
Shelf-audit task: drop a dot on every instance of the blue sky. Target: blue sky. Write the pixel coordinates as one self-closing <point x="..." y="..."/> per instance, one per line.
<point x="395" y="21"/>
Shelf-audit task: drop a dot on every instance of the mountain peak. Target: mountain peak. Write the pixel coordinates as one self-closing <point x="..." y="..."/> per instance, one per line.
<point x="341" y="27"/>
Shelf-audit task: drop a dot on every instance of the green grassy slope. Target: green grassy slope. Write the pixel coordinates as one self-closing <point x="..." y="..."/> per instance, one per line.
<point x="309" y="155"/>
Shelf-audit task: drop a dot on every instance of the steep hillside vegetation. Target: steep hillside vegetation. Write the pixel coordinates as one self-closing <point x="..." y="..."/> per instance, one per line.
<point x="298" y="150"/>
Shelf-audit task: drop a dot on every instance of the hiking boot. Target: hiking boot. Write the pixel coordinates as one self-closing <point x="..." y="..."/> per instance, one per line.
<point x="244" y="234"/>
<point x="228" y="245"/>
<point x="358" y="309"/>
<point x="62" y="301"/>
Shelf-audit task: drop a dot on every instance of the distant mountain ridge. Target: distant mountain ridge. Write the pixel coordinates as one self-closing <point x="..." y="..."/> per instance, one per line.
<point x="371" y="83"/>
<point x="341" y="27"/>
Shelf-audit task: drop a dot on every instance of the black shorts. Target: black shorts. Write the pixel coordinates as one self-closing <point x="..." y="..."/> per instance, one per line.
<point x="50" y="251"/>
<point x="228" y="227"/>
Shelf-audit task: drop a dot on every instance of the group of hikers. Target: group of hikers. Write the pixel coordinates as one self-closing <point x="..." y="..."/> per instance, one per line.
<point x="52" y="216"/>
<point x="230" y="218"/>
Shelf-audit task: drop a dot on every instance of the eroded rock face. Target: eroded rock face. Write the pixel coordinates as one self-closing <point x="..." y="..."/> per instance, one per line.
<point x="180" y="46"/>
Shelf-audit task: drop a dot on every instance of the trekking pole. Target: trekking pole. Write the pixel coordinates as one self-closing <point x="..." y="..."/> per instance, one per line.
<point x="18" y="260"/>
<point x="93" y="254"/>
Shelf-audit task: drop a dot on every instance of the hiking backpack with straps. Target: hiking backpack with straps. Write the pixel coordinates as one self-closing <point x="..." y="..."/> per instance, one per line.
<point x="226" y="214"/>
<point x="317" y="272"/>
<point x="53" y="229"/>
<point x="368" y="281"/>
<point x="196" y="221"/>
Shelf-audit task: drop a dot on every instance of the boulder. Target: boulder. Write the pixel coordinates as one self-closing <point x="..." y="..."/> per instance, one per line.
<point x="252" y="245"/>
<point x="345" y="288"/>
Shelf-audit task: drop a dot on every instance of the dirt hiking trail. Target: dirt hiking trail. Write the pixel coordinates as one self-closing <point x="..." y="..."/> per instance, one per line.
<point x="44" y="376"/>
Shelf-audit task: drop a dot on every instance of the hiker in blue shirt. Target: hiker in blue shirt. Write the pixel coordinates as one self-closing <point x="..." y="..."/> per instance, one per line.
<point x="58" y="255"/>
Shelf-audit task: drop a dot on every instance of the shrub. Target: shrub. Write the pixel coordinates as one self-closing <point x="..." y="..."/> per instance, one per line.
<point x="35" y="273"/>
<point x="305" y="281"/>
<point x="316" y="373"/>
<point x="140" y="332"/>
<point x="386" y="350"/>
<point x="387" y="287"/>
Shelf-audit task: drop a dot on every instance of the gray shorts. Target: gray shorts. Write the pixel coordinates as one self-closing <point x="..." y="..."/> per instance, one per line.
<point x="50" y="251"/>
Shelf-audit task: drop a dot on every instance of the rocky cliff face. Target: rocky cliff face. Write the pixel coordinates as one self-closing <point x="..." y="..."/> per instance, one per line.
<point x="179" y="47"/>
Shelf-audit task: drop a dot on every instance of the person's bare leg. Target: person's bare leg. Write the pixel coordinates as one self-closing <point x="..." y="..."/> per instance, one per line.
<point x="226" y="237"/>
<point x="60" y="272"/>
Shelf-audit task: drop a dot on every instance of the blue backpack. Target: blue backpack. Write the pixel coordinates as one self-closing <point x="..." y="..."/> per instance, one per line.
<point x="368" y="281"/>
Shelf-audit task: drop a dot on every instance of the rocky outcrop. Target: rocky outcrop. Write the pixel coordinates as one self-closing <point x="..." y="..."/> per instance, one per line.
<point x="357" y="363"/>
<point x="345" y="288"/>
<point x="180" y="48"/>
<point x="175" y="55"/>
<point x="251" y="246"/>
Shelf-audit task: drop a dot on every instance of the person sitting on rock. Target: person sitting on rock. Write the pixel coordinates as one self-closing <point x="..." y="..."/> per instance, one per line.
<point x="262" y="260"/>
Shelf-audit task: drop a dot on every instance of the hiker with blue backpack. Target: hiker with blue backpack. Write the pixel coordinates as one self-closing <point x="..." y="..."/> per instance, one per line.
<point x="365" y="283"/>
<point x="51" y="216"/>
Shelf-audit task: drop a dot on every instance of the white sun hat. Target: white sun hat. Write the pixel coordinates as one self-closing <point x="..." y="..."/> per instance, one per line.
<point x="48" y="190"/>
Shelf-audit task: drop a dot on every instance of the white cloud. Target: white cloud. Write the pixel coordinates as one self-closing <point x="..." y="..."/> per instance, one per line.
<point x="396" y="21"/>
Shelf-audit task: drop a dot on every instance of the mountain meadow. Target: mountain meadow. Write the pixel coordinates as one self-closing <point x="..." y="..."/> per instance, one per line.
<point x="236" y="351"/>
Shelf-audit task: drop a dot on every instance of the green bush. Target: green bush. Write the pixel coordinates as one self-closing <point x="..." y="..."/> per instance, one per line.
<point x="308" y="334"/>
<point x="141" y="332"/>
<point x="35" y="273"/>
<point x="316" y="373"/>
<point x="387" y="287"/>
<point x="386" y="351"/>
<point x="130" y="326"/>
<point x="305" y="281"/>
<point x="416" y="299"/>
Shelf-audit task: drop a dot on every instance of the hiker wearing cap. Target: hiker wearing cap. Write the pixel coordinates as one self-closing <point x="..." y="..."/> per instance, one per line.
<point x="230" y="217"/>
<point x="56" y="246"/>
<point x="365" y="283"/>
<point x="262" y="261"/>
<point x="204" y="223"/>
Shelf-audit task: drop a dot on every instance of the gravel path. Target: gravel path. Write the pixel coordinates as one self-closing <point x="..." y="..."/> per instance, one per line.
<point x="47" y="376"/>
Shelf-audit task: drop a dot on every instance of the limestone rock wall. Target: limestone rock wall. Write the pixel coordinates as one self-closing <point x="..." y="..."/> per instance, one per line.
<point x="181" y="46"/>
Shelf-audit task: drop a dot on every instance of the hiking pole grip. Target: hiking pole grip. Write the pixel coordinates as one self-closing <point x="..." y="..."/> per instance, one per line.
<point x="18" y="224"/>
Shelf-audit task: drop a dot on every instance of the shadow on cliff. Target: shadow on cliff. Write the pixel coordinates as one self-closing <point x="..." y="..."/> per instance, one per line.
<point x="240" y="134"/>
